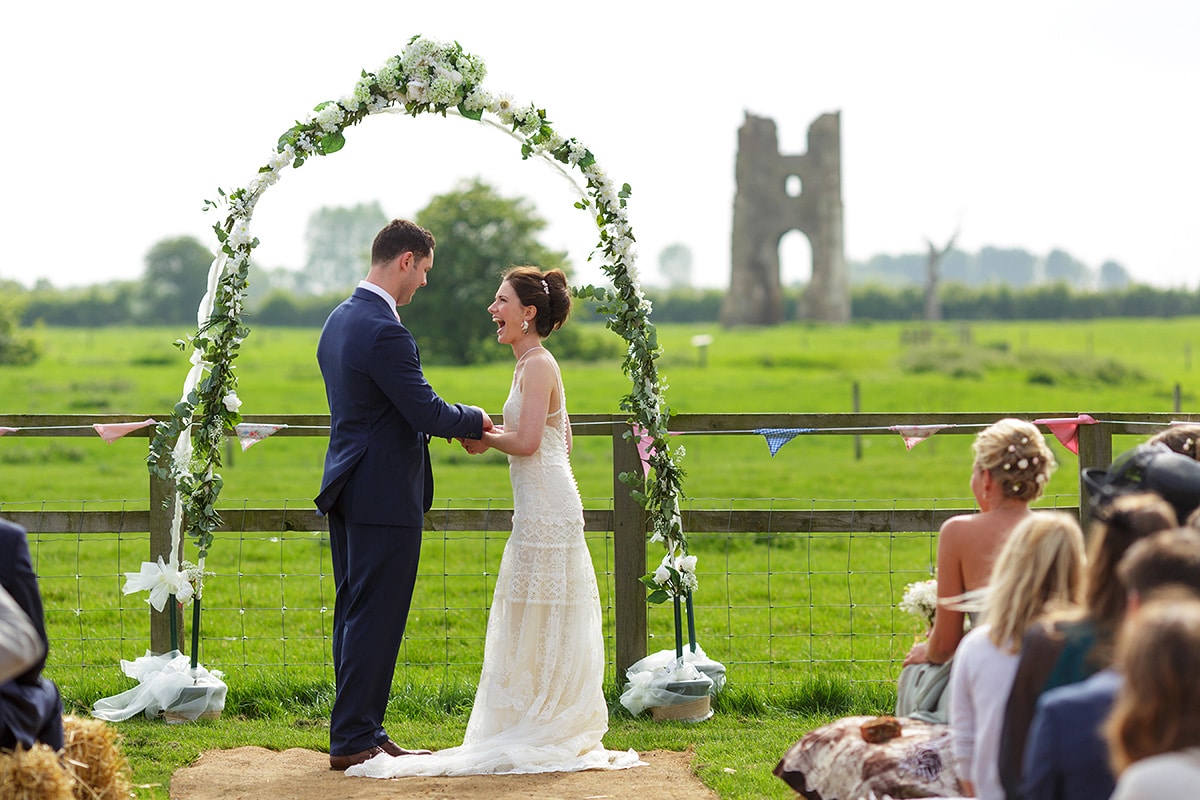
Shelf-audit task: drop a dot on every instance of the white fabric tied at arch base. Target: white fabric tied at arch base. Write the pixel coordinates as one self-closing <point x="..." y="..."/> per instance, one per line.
<point x="657" y="680"/>
<point x="168" y="687"/>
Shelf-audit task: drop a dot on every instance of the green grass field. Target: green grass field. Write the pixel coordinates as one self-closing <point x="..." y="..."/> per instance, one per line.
<point x="805" y="624"/>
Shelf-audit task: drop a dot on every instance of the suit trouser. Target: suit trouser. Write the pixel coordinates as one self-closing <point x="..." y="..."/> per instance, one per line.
<point x="29" y="713"/>
<point x="374" y="570"/>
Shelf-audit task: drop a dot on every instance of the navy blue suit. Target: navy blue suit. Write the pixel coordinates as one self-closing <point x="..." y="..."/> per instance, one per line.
<point x="1066" y="757"/>
<point x="376" y="488"/>
<point x="30" y="706"/>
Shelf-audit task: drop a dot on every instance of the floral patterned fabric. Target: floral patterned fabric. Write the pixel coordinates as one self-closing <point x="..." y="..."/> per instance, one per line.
<point x="834" y="762"/>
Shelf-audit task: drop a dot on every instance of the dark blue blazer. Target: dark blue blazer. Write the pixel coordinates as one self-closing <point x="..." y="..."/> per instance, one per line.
<point x="18" y="577"/>
<point x="382" y="413"/>
<point x="1066" y="757"/>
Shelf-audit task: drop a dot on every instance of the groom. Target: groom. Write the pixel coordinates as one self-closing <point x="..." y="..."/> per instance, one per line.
<point x="377" y="484"/>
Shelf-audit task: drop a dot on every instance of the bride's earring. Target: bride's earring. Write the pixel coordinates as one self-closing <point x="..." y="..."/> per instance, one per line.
<point x="524" y="326"/>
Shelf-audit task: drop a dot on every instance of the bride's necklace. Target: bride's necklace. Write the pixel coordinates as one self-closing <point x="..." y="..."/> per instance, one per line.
<point x="530" y="350"/>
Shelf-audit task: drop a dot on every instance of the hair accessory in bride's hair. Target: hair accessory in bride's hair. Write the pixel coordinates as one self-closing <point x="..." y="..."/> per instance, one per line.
<point x="545" y="287"/>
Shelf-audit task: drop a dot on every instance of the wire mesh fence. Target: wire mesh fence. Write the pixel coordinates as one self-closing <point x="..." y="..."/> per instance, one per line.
<point x="775" y="606"/>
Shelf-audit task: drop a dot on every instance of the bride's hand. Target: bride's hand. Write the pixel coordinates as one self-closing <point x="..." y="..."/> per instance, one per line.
<point x="474" y="446"/>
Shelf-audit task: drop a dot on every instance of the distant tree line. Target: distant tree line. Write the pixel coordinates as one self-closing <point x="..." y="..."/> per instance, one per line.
<point x="480" y="233"/>
<point x="1009" y="266"/>
<point x="124" y="303"/>
<point x="1046" y="302"/>
<point x="959" y="302"/>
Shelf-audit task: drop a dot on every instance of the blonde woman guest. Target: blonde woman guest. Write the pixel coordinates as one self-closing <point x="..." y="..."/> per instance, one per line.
<point x="1154" y="731"/>
<point x="1073" y="647"/>
<point x="1012" y="466"/>
<point x="1040" y="570"/>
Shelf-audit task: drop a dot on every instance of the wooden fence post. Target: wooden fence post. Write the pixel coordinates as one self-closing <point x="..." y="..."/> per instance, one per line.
<point x="629" y="556"/>
<point x="162" y="512"/>
<point x="1095" y="451"/>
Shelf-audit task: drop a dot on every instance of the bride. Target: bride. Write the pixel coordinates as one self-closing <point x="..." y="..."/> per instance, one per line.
<point x="540" y="705"/>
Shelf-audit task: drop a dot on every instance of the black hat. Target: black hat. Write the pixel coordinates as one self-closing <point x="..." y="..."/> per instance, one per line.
<point x="1148" y="468"/>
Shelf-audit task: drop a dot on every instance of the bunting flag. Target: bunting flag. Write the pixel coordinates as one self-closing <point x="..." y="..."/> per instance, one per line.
<point x="1066" y="429"/>
<point x="115" y="430"/>
<point x="913" y="435"/>
<point x="778" y="437"/>
<point x="644" y="440"/>
<point x="250" y="433"/>
<point x="4" y="430"/>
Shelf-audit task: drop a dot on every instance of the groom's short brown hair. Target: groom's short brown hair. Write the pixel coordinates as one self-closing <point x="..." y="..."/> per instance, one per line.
<point x="398" y="237"/>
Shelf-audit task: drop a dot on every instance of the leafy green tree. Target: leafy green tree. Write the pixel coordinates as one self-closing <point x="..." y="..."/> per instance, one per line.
<point x="339" y="246"/>
<point x="479" y="235"/>
<point x="675" y="264"/>
<point x="1062" y="267"/>
<point x="17" y="346"/>
<point x="175" y="281"/>
<point x="1012" y="267"/>
<point x="1113" y="276"/>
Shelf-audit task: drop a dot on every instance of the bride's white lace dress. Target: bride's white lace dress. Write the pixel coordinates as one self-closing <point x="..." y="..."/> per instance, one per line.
<point x="540" y="705"/>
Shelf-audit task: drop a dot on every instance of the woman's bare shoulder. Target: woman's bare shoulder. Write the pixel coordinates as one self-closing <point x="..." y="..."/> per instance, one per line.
<point x="959" y="525"/>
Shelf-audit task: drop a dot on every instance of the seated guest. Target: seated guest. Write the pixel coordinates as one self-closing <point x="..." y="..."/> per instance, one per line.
<point x="1154" y="731"/>
<point x="30" y="707"/>
<point x="1070" y="649"/>
<point x="1039" y="570"/>
<point x="1066" y="757"/>
<point x="1012" y="466"/>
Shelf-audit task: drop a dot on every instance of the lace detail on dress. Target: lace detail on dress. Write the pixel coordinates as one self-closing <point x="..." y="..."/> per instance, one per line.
<point x="540" y="705"/>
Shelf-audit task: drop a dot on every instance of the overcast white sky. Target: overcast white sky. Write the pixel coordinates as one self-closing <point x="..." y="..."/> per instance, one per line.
<point x="1029" y="124"/>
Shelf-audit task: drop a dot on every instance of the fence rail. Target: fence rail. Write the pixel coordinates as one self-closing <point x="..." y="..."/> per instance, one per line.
<point x="624" y="520"/>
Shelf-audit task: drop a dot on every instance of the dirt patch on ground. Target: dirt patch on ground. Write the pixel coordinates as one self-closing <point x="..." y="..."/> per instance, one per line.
<point x="251" y="773"/>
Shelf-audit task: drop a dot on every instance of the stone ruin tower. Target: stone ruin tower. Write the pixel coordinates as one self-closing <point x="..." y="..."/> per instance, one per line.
<point x="763" y="212"/>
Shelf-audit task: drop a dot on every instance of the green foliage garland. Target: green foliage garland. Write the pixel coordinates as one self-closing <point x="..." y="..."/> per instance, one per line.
<point x="428" y="77"/>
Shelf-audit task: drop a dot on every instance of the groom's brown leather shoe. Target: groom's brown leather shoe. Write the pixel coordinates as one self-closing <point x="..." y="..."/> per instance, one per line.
<point x="393" y="749"/>
<point x="344" y="762"/>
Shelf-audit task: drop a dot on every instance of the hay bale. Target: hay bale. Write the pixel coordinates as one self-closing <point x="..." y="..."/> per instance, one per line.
<point x="35" y="774"/>
<point x="91" y="756"/>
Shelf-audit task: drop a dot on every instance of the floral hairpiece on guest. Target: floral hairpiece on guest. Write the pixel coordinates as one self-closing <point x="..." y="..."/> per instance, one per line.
<point x="1016" y="454"/>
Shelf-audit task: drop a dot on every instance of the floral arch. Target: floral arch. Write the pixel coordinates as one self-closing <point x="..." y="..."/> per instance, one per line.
<point x="428" y="77"/>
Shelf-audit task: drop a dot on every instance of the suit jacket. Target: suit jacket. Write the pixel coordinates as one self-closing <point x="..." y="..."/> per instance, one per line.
<point x="18" y="577"/>
<point x="1066" y="757"/>
<point x="382" y="413"/>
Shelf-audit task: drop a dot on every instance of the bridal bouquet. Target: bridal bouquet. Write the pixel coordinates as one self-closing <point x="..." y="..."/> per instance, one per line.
<point x="921" y="600"/>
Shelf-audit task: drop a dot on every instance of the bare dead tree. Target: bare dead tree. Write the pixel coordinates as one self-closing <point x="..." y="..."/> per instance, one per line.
<point x="933" y="303"/>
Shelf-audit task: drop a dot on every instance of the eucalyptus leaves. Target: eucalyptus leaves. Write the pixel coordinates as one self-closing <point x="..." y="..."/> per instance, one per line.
<point x="428" y="77"/>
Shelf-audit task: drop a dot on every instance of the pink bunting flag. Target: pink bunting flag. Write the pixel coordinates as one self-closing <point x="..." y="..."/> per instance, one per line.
<point x="115" y="430"/>
<point x="4" y="430"/>
<point x="250" y="434"/>
<point x="913" y="435"/>
<point x="644" y="440"/>
<point x="1066" y="429"/>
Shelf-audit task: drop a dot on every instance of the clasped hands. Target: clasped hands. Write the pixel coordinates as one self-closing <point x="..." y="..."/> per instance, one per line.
<point x="477" y="446"/>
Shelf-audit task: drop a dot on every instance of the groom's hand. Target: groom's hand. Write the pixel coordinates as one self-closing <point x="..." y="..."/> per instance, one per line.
<point x="487" y="421"/>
